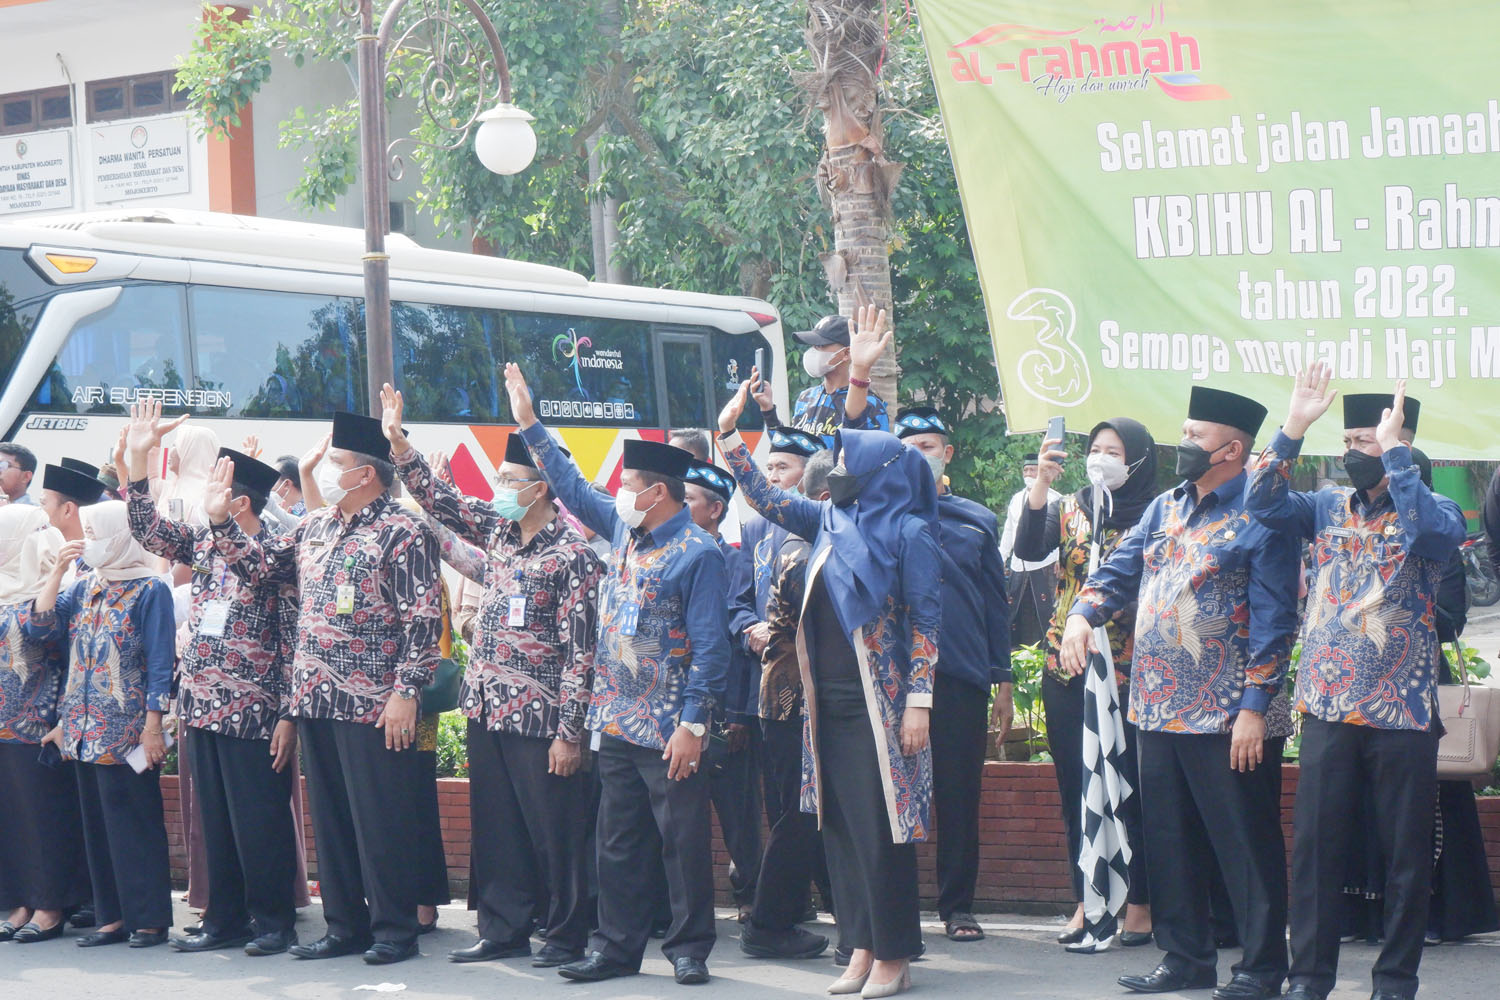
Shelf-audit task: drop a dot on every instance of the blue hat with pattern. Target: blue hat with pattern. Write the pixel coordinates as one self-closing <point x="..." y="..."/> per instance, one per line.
<point x="795" y="442"/>
<point x="710" y="477"/>
<point x="920" y="420"/>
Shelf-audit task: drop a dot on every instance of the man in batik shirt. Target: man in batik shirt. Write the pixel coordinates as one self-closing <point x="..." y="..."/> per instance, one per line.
<point x="367" y="642"/>
<point x="232" y="701"/>
<point x="1365" y="683"/>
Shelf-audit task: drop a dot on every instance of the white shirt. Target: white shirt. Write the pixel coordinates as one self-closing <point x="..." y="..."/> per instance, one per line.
<point x="1008" y="535"/>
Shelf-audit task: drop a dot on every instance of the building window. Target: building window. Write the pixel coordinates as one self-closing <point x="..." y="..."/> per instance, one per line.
<point x="135" y="97"/>
<point x="36" y="110"/>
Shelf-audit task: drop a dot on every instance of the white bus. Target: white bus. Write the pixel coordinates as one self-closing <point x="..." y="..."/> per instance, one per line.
<point x="257" y="326"/>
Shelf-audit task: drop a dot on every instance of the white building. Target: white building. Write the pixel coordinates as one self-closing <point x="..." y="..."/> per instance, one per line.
<point x="88" y="120"/>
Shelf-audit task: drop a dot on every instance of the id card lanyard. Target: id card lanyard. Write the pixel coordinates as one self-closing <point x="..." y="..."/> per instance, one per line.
<point x="629" y="617"/>
<point x="215" y="618"/>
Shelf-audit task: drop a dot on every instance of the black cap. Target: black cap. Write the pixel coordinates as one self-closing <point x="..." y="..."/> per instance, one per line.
<point x="828" y="330"/>
<point x="81" y="488"/>
<point x="653" y="456"/>
<point x="794" y="442"/>
<point x="78" y="465"/>
<point x="1030" y="458"/>
<point x="710" y="477"/>
<point x="1219" y="407"/>
<point x="516" y="451"/>
<point x="356" y="432"/>
<point x="920" y="420"/>
<point x="251" y="474"/>
<point x="1424" y="466"/>
<point x="1366" y="409"/>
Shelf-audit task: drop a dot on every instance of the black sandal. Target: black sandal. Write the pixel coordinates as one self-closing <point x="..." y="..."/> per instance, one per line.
<point x="963" y="927"/>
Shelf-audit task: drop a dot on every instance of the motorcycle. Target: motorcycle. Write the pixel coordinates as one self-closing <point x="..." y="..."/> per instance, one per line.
<point x="1479" y="571"/>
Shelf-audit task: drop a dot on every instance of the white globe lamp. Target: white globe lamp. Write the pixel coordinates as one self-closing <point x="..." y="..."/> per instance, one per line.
<point x="505" y="142"/>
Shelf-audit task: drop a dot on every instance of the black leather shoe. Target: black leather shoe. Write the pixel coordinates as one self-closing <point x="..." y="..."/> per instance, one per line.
<point x="1134" y="939"/>
<point x="1246" y="987"/>
<point x="32" y="934"/>
<point x="485" y="950"/>
<point x="1302" y="992"/>
<point x="8" y="931"/>
<point x="147" y="939"/>
<point x="594" y="969"/>
<point x="1168" y="980"/>
<point x="203" y="941"/>
<point x="690" y="971"/>
<point x="797" y="943"/>
<point x="391" y="952"/>
<point x="274" y="943"/>
<point x="82" y="917"/>
<point x="1071" y="936"/>
<point x="427" y="928"/>
<point x="99" y="939"/>
<point x="551" y="956"/>
<point x="329" y="946"/>
<point x="1388" y="995"/>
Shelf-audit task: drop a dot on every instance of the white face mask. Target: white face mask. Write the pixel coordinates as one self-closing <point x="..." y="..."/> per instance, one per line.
<point x="818" y="362"/>
<point x="1029" y="481"/>
<point x="328" y="483"/>
<point x="625" y="507"/>
<point x="1107" y="471"/>
<point x="938" y="467"/>
<point x="95" y="552"/>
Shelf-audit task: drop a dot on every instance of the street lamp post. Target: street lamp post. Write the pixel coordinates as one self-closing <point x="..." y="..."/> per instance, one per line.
<point x="503" y="141"/>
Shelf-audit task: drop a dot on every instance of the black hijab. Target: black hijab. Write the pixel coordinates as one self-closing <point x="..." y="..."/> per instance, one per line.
<point x="1131" y="499"/>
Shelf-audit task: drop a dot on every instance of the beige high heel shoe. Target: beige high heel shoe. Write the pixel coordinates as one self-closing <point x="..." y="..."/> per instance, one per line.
<point x="900" y="984"/>
<point x="850" y="984"/>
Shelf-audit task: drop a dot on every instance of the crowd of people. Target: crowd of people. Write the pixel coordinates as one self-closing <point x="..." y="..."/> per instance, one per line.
<point x="835" y="677"/>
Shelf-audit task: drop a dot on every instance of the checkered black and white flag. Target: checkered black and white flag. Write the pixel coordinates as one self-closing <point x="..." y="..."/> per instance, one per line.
<point x="1104" y="856"/>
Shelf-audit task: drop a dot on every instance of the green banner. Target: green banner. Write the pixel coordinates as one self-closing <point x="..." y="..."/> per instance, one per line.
<point x="1205" y="192"/>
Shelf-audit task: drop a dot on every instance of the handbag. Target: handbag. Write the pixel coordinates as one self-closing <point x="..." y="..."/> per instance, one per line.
<point x="442" y="694"/>
<point x="1471" y="728"/>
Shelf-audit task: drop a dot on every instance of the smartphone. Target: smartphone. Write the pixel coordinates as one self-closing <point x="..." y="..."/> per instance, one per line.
<point x="50" y="756"/>
<point x="760" y="365"/>
<point x="1055" y="430"/>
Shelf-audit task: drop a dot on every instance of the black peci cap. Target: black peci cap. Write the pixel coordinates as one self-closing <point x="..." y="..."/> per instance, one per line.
<point x="80" y="487"/>
<point x="920" y="420"/>
<point x="794" y="442"/>
<point x="78" y="465"/>
<point x="710" y="477"/>
<point x="356" y="432"/>
<point x="516" y="451"/>
<point x="1365" y="409"/>
<point x="1230" y="408"/>
<point x="653" y="456"/>
<point x="251" y="474"/>
<point x="1030" y="458"/>
<point x="827" y="331"/>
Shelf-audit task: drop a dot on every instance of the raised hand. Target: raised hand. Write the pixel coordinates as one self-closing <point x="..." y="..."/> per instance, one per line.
<point x="729" y="417"/>
<point x="520" y="396"/>
<point x="1388" y="431"/>
<point x="251" y="445"/>
<point x="869" y="336"/>
<point x="312" y="457"/>
<point x="219" y="492"/>
<point x="121" y="469"/>
<point x="392" y="405"/>
<point x="1049" y="462"/>
<point x="1311" y="398"/>
<point x="761" y="390"/>
<point x="438" y="462"/>
<point x="145" y="431"/>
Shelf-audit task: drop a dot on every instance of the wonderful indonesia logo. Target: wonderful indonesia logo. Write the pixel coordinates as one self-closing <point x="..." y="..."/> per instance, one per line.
<point x="1099" y="58"/>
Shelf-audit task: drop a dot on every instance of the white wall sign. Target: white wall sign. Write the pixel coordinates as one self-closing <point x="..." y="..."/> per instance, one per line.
<point x="36" y="172"/>
<point x="141" y="158"/>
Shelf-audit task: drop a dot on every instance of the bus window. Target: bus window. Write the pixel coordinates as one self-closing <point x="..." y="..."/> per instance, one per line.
<point x="447" y="361"/>
<point x="733" y="357"/>
<point x="276" y="354"/>
<point x="584" y="370"/>
<point x="683" y="357"/>
<point x="22" y="292"/>
<point x="136" y="344"/>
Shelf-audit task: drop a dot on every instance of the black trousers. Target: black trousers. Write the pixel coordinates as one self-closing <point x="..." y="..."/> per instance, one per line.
<point x="1200" y="808"/>
<point x="432" y="863"/>
<point x="644" y="815"/>
<point x="960" y="728"/>
<point x="1338" y="761"/>
<point x="365" y="816"/>
<point x="42" y="862"/>
<point x="794" y="849"/>
<point x="531" y="833"/>
<point x="247" y="842"/>
<point x="874" y="879"/>
<point x="734" y="788"/>
<point x="1063" y="706"/>
<point x="125" y="838"/>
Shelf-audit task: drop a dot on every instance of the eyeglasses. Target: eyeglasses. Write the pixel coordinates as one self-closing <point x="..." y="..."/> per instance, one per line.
<point x="5" y="466"/>
<point x="513" y="484"/>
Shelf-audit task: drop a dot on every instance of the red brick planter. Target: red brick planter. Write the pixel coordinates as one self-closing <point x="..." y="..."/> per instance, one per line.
<point x="1023" y="858"/>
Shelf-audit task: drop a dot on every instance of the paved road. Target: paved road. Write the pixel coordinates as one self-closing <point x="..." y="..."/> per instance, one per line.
<point x="1017" y="960"/>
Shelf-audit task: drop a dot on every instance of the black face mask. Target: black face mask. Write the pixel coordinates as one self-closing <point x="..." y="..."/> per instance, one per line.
<point x="1194" y="461"/>
<point x="1365" y="471"/>
<point x="843" y="487"/>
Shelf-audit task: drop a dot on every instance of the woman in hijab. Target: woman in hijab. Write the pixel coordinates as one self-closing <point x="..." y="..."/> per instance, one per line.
<point x="116" y="621"/>
<point x="1122" y="459"/>
<point x="867" y="647"/>
<point x="41" y="849"/>
<point x="195" y="451"/>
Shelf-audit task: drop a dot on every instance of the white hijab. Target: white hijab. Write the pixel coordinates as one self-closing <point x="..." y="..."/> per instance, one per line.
<point x="28" y="548"/>
<point x="197" y="452"/>
<point x="111" y="551"/>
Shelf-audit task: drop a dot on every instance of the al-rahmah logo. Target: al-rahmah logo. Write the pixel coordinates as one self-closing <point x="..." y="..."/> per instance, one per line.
<point x="1055" y="369"/>
<point x="1118" y="57"/>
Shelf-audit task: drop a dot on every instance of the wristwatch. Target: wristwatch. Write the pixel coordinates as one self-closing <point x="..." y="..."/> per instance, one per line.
<point x="406" y="692"/>
<point x="698" y="729"/>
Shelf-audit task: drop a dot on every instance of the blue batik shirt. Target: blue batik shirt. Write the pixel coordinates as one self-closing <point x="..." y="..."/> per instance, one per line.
<point x="820" y="412"/>
<point x="1370" y="653"/>
<point x="671" y="583"/>
<point x="1216" y="609"/>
